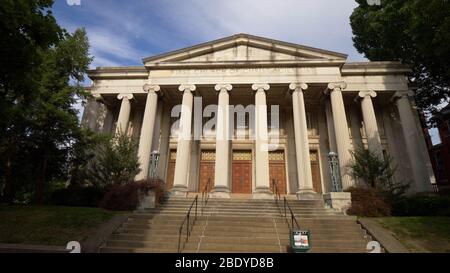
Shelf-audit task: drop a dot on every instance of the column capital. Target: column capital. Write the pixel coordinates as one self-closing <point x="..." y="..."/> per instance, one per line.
<point x="363" y="94"/>
<point x="187" y="88"/>
<point x="337" y="86"/>
<point x="151" y="88"/>
<point x="260" y="87"/>
<point x="98" y="97"/>
<point x="123" y="96"/>
<point x="223" y="87"/>
<point x="299" y="86"/>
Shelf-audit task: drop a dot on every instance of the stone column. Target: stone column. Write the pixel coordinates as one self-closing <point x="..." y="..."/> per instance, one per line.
<point x="148" y="122"/>
<point x="262" y="189"/>
<point x="410" y="131"/>
<point x="124" y="113"/>
<point x="305" y="184"/>
<point x="341" y="131"/>
<point x="184" y="141"/>
<point x="330" y="127"/>
<point x="370" y="122"/>
<point x="221" y="187"/>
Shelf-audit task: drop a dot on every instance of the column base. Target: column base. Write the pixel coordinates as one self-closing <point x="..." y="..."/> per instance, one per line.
<point x="308" y="194"/>
<point x="220" y="192"/>
<point x="179" y="191"/>
<point x="263" y="193"/>
<point x="340" y="201"/>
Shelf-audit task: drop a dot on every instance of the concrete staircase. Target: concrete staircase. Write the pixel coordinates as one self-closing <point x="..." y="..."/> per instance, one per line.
<point x="236" y="225"/>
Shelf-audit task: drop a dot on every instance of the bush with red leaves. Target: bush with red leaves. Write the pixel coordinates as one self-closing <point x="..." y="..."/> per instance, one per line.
<point x="126" y="197"/>
<point x="367" y="202"/>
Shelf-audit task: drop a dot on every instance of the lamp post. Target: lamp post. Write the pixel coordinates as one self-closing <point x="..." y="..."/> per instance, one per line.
<point x="154" y="163"/>
<point x="335" y="173"/>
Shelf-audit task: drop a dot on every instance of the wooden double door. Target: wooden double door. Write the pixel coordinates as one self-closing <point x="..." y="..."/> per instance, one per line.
<point x="207" y="169"/>
<point x="277" y="170"/>
<point x="171" y="169"/>
<point x="315" y="171"/>
<point x="242" y="172"/>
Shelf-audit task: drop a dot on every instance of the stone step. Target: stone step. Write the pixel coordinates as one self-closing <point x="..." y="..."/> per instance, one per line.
<point x="239" y="244"/>
<point x="134" y="250"/>
<point x="245" y="204"/>
<point x="241" y="214"/>
<point x="156" y="250"/>
<point x="337" y="249"/>
<point x="236" y="225"/>
<point x="197" y="232"/>
<point x="235" y="200"/>
<point x="284" y="239"/>
<point x="224" y="223"/>
<point x="251" y="248"/>
<point x="247" y="210"/>
<point x="233" y="208"/>
<point x="241" y="221"/>
<point x="229" y="204"/>
<point x="237" y="229"/>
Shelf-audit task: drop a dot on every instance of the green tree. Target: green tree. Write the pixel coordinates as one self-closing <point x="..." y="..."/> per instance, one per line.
<point x="39" y="124"/>
<point x="414" y="32"/>
<point x="114" y="162"/>
<point x="377" y="173"/>
<point x="369" y="167"/>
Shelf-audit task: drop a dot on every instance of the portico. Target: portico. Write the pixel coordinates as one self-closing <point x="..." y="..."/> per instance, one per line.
<point x="244" y="111"/>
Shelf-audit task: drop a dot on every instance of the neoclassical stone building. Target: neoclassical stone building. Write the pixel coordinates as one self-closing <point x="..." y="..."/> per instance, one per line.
<point x="307" y="102"/>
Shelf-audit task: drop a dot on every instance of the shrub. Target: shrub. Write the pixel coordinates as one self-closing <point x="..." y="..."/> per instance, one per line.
<point x="77" y="196"/>
<point x="371" y="168"/>
<point x="377" y="173"/>
<point x="126" y="197"/>
<point x="367" y="202"/>
<point x="114" y="162"/>
<point x="422" y="206"/>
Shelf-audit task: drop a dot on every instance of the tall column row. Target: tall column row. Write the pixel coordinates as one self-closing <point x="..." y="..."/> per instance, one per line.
<point x="337" y="129"/>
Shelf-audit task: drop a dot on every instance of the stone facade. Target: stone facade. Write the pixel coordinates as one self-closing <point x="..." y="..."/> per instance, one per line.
<point x="305" y="103"/>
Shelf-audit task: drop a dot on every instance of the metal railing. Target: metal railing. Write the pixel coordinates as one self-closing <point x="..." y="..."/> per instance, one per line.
<point x="286" y="207"/>
<point x="293" y="219"/>
<point x="205" y="194"/>
<point x="187" y="221"/>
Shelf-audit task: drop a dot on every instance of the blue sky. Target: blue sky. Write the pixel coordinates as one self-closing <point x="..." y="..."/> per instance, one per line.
<point x="121" y="33"/>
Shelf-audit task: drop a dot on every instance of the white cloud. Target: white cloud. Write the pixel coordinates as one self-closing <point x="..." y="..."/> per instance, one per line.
<point x="123" y="33"/>
<point x="317" y="23"/>
<point x="105" y="42"/>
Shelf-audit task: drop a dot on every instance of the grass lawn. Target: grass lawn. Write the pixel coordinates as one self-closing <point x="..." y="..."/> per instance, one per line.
<point x="48" y="225"/>
<point x="420" y="234"/>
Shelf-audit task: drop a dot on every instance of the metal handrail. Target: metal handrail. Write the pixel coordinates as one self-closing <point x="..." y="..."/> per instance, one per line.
<point x="187" y="220"/>
<point x="293" y="219"/>
<point x="205" y="194"/>
<point x="276" y="191"/>
<point x="204" y="202"/>
<point x="286" y="206"/>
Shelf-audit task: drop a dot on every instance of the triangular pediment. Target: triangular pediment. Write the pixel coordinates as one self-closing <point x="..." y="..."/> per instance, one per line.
<point x="244" y="48"/>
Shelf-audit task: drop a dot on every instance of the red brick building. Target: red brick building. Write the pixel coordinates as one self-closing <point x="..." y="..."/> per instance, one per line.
<point x="440" y="153"/>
